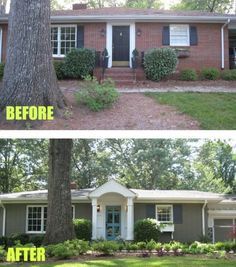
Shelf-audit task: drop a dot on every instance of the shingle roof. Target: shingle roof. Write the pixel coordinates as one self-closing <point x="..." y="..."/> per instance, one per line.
<point x="130" y="11"/>
<point x="141" y="195"/>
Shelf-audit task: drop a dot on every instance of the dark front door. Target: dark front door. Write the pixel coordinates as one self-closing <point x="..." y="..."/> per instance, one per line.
<point x="120" y="39"/>
<point x="112" y="222"/>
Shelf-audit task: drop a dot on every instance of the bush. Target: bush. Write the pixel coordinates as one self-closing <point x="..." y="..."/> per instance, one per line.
<point x="106" y="247"/>
<point x="83" y="229"/>
<point x="159" y="63"/>
<point x="22" y="238"/>
<point x="2" y="254"/>
<point x="188" y="75"/>
<point x="141" y="245"/>
<point x="59" y="69"/>
<point x="37" y="240"/>
<point x="151" y="245"/>
<point x="2" y="66"/>
<point x="146" y="230"/>
<point x="68" y="249"/>
<point x="229" y="75"/>
<point x="210" y="73"/>
<point x="97" y="96"/>
<point x="79" y="63"/>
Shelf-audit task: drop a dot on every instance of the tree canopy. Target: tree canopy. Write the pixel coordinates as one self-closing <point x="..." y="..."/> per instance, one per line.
<point x="138" y="163"/>
<point x="221" y="6"/>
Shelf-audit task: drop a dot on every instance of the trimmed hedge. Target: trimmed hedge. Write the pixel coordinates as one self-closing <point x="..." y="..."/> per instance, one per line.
<point x="159" y="63"/>
<point x="59" y="69"/>
<point x="146" y="230"/>
<point x="83" y="229"/>
<point x="188" y="75"/>
<point x="229" y="75"/>
<point x="79" y="63"/>
<point x="210" y="74"/>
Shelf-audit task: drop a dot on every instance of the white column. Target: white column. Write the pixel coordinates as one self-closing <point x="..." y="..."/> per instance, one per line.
<point x="132" y="38"/>
<point x="94" y="218"/>
<point x="130" y="219"/>
<point x="109" y="43"/>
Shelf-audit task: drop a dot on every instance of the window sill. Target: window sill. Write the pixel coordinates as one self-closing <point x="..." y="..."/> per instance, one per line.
<point x="58" y="57"/>
<point x="167" y="227"/>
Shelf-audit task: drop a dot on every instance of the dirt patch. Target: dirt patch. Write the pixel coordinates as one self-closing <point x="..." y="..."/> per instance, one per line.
<point x="133" y="111"/>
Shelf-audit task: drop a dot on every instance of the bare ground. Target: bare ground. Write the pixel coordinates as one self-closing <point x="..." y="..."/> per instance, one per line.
<point x="133" y="111"/>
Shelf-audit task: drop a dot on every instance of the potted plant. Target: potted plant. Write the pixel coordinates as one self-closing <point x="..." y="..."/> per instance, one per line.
<point x="135" y="55"/>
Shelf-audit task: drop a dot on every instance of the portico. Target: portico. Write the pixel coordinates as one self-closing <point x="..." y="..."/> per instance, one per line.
<point x="112" y="211"/>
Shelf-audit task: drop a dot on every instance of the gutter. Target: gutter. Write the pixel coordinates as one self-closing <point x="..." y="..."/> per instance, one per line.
<point x="3" y="219"/>
<point x="203" y="218"/>
<point x="223" y="44"/>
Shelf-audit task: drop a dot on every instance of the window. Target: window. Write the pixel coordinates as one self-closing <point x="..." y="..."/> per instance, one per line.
<point x="164" y="213"/>
<point x="36" y="220"/>
<point x="63" y="39"/>
<point x="179" y="35"/>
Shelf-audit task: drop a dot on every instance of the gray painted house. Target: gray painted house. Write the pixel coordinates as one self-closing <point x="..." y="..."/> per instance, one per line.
<point x="113" y="210"/>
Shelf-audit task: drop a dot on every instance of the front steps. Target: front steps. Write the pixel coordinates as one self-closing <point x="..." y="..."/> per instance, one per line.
<point x="123" y="76"/>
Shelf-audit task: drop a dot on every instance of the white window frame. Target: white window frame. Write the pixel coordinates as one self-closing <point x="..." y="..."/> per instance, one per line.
<point x="188" y="34"/>
<point x="164" y="206"/>
<point x="59" y="55"/>
<point x="42" y="218"/>
<point x="1" y="32"/>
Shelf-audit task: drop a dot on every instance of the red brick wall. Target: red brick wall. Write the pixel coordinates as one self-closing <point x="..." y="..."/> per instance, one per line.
<point x="206" y="54"/>
<point x="92" y="36"/>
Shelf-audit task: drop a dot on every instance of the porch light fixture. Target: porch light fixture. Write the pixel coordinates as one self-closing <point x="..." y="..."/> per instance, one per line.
<point x="98" y="208"/>
<point x="103" y="32"/>
<point x="139" y="32"/>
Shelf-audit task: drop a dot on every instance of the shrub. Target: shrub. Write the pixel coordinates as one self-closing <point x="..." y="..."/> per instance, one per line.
<point x="83" y="229"/>
<point x="97" y="96"/>
<point x="59" y="69"/>
<point x="79" y="63"/>
<point x="167" y="247"/>
<point x="106" y="247"/>
<point x="141" y="245"/>
<point x="2" y="66"/>
<point x="22" y="238"/>
<point x="229" y="75"/>
<point x="210" y="73"/>
<point x="151" y="245"/>
<point x="2" y="254"/>
<point x="146" y="230"/>
<point x="37" y="240"/>
<point x="159" y="63"/>
<point x="188" y="75"/>
<point x="67" y="249"/>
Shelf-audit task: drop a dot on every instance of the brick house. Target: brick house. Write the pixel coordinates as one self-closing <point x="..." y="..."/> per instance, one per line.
<point x="201" y="39"/>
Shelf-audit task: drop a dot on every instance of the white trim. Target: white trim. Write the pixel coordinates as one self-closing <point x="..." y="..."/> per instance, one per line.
<point x="164" y="206"/>
<point x="132" y="39"/>
<point x="203" y="218"/>
<point x="223" y="44"/>
<point x="42" y="217"/>
<point x="1" y="32"/>
<point x="3" y="219"/>
<point x="188" y="35"/>
<point x="59" y="26"/>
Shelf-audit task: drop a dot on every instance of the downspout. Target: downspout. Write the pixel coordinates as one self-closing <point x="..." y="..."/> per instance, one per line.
<point x="223" y="44"/>
<point x="3" y="219"/>
<point x="203" y="218"/>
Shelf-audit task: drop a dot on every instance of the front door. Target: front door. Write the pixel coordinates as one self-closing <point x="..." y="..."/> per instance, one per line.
<point x="113" y="222"/>
<point x="121" y="46"/>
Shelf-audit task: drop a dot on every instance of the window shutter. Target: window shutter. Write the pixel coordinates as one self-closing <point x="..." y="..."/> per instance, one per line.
<point x="178" y="214"/>
<point x="150" y="211"/>
<point x="166" y="35"/>
<point x="193" y="35"/>
<point x="80" y="36"/>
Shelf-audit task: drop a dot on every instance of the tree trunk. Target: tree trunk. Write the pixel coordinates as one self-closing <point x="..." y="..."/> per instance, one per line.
<point x="29" y="76"/>
<point x="59" y="220"/>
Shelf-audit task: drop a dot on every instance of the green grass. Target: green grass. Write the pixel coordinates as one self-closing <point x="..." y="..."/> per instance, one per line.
<point x="214" y="111"/>
<point x="143" y="262"/>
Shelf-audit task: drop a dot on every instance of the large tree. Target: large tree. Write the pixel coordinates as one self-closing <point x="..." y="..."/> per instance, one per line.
<point x="59" y="216"/>
<point x="29" y="76"/>
<point x="144" y="3"/>
<point x="222" y="6"/>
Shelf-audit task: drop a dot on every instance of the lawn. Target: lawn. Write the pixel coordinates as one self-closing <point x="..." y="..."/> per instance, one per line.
<point x="214" y="111"/>
<point x="137" y="262"/>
